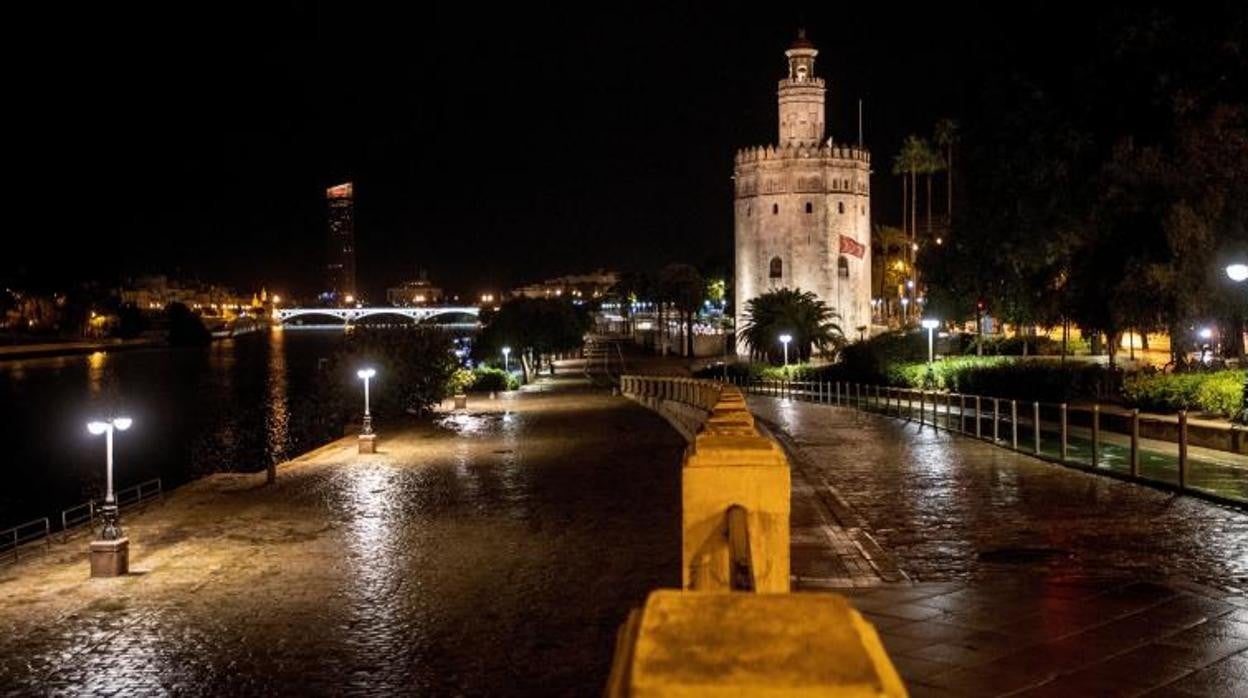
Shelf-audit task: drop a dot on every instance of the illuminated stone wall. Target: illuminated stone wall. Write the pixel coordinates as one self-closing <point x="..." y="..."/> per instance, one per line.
<point x="794" y="201"/>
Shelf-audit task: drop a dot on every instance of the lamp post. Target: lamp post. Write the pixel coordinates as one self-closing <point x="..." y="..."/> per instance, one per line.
<point x="110" y="554"/>
<point x="785" y="339"/>
<point x="506" y="354"/>
<point x="111" y="530"/>
<point x="930" y="324"/>
<point x="365" y="374"/>
<point x="1238" y="273"/>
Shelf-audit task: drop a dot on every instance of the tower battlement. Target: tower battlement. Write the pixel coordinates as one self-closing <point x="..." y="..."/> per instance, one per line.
<point x="791" y="152"/>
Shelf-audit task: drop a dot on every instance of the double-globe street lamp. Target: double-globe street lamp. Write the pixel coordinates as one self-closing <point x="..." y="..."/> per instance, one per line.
<point x="112" y="529"/>
<point x="1238" y="273"/>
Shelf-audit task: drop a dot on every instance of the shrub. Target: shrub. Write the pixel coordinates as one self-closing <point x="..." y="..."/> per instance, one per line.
<point x="1003" y="377"/>
<point x="489" y="379"/>
<point x="459" y="381"/>
<point x="1219" y="392"/>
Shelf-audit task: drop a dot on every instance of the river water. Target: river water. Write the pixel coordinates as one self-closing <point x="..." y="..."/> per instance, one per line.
<point x="237" y="405"/>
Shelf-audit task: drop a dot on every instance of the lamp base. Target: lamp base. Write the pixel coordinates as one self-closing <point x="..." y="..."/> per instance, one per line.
<point x="110" y="558"/>
<point x="368" y="443"/>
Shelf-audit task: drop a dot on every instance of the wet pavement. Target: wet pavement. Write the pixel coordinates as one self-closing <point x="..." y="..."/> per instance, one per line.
<point x="1030" y="578"/>
<point x="493" y="553"/>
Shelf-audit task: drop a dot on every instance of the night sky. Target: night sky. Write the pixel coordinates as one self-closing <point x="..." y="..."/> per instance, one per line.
<point x="489" y="146"/>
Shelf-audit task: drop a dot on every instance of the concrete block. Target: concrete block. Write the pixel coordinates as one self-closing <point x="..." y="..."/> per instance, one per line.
<point x="110" y="558"/>
<point x="724" y="644"/>
<point x="461" y="402"/>
<point x="368" y="443"/>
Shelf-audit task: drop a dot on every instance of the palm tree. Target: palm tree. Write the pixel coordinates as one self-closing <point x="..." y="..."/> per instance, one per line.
<point x="946" y="134"/>
<point x="910" y="161"/>
<point x="684" y="286"/>
<point x="790" y="311"/>
<point x="888" y="239"/>
<point x="930" y="162"/>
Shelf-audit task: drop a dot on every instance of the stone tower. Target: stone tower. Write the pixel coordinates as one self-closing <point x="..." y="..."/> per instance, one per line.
<point x="803" y="206"/>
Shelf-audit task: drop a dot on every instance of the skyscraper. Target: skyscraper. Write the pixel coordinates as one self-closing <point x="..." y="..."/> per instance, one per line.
<point x="340" y="245"/>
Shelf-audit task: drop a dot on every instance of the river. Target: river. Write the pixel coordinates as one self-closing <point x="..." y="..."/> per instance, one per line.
<point x="237" y="405"/>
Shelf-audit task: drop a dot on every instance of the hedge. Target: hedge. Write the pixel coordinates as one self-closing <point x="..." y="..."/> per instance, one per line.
<point x="1216" y="392"/>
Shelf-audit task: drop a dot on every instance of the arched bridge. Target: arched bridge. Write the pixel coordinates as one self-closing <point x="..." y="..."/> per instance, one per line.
<point x="351" y="315"/>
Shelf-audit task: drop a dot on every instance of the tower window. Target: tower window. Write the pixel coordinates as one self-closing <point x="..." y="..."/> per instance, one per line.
<point x="810" y="208"/>
<point x="842" y="267"/>
<point x="777" y="268"/>
<point x="775" y="208"/>
<point x="840" y="207"/>
<point x="748" y="211"/>
<point x="864" y="209"/>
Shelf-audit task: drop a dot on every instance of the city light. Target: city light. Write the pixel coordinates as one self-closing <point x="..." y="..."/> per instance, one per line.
<point x="1206" y="333"/>
<point x="785" y="339"/>
<point x="1237" y="272"/>
<point x="506" y="354"/>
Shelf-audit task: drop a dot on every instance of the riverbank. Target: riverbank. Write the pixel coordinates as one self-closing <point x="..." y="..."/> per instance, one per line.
<point x="13" y="352"/>
<point x="492" y="552"/>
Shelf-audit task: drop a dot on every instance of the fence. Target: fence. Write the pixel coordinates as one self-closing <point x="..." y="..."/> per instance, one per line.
<point x="74" y="518"/>
<point x="1080" y="436"/>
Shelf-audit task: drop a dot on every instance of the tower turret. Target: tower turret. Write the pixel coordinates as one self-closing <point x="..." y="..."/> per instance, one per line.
<point x="801" y="97"/>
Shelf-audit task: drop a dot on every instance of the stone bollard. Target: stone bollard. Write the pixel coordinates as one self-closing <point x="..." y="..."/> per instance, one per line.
<point x="461" y="402"/>
<point x="726" y="644"/>
<point x="367" y="443"/>
<point x="722" y="470"/>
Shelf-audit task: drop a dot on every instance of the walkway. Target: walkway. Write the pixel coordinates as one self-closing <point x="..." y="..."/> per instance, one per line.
<point x="494" y="553"/>
<point x="1031" y="577"/>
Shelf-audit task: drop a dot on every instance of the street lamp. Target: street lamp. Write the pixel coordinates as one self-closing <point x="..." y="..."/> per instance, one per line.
<point x="111" y="530"/>
<point x="365" y="374"/>
<point x="930" y="324"/>
<point x="1238" y="273"/>
<point x="785" y="339"/>
<point x="506" y="354"/>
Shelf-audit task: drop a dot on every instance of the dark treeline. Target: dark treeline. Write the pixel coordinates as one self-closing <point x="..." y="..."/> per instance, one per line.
<point x="1111" y="195"/>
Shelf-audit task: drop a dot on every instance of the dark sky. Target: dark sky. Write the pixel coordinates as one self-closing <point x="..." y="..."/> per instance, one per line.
<point x="490" y="145"/>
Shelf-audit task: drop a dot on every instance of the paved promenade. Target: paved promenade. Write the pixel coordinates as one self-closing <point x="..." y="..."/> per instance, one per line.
<point x="493" y="553"/>
<point x="1027" y="578"/>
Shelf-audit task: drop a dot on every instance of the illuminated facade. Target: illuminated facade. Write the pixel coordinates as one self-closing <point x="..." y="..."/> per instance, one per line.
<point x="340" y="244"/>
<point x="803" y="206"/>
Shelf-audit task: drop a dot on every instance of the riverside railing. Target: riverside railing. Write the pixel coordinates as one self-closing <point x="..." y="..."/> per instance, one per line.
<point x="73" y="518"/>
<point x="1090" y="437"/>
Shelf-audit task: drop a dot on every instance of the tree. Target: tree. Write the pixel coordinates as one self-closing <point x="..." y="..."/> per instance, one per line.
<point x="130" y="321"/>
<point x="929" y="163"/>
<point x="532" y="326"/>
<point x="946" y="135"/>
<point x="799" y="313"/>
<point x="185" y="327"/>
<point x="414" y="366"/>
<point x="627" y="290"/>
<point x="685" y="288"/>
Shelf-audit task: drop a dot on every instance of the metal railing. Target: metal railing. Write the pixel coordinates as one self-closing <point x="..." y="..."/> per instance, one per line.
<point x="1080" y="436"/>
<point x="12" y="539"/>
<point x="75" y="517"/>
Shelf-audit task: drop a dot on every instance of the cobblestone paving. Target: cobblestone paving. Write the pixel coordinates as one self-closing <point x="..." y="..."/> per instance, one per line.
<point x="951" y="508"/>
<point x="1037" y="580"/>
<point x="495" y="553"/>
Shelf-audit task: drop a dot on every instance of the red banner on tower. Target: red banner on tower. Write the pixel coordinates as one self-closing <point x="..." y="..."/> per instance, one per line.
<point x="852" y="246"/>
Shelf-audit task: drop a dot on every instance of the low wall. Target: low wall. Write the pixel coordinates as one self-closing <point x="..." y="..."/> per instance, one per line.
<point x="728" y="462"/>
<point x="704" y="639"/>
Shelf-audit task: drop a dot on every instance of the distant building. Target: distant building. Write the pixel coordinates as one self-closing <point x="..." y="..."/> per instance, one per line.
<point x="154" y="293"/>
<point x="419" y="292"/>
<point x="592" y="285"/>
<point x="340" y="244"/>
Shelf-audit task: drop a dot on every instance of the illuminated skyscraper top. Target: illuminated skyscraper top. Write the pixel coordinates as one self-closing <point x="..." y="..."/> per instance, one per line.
<point x="340" y="244"/>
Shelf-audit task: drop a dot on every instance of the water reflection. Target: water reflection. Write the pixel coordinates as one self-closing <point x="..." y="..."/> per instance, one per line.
<point x="277" y="414"/>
